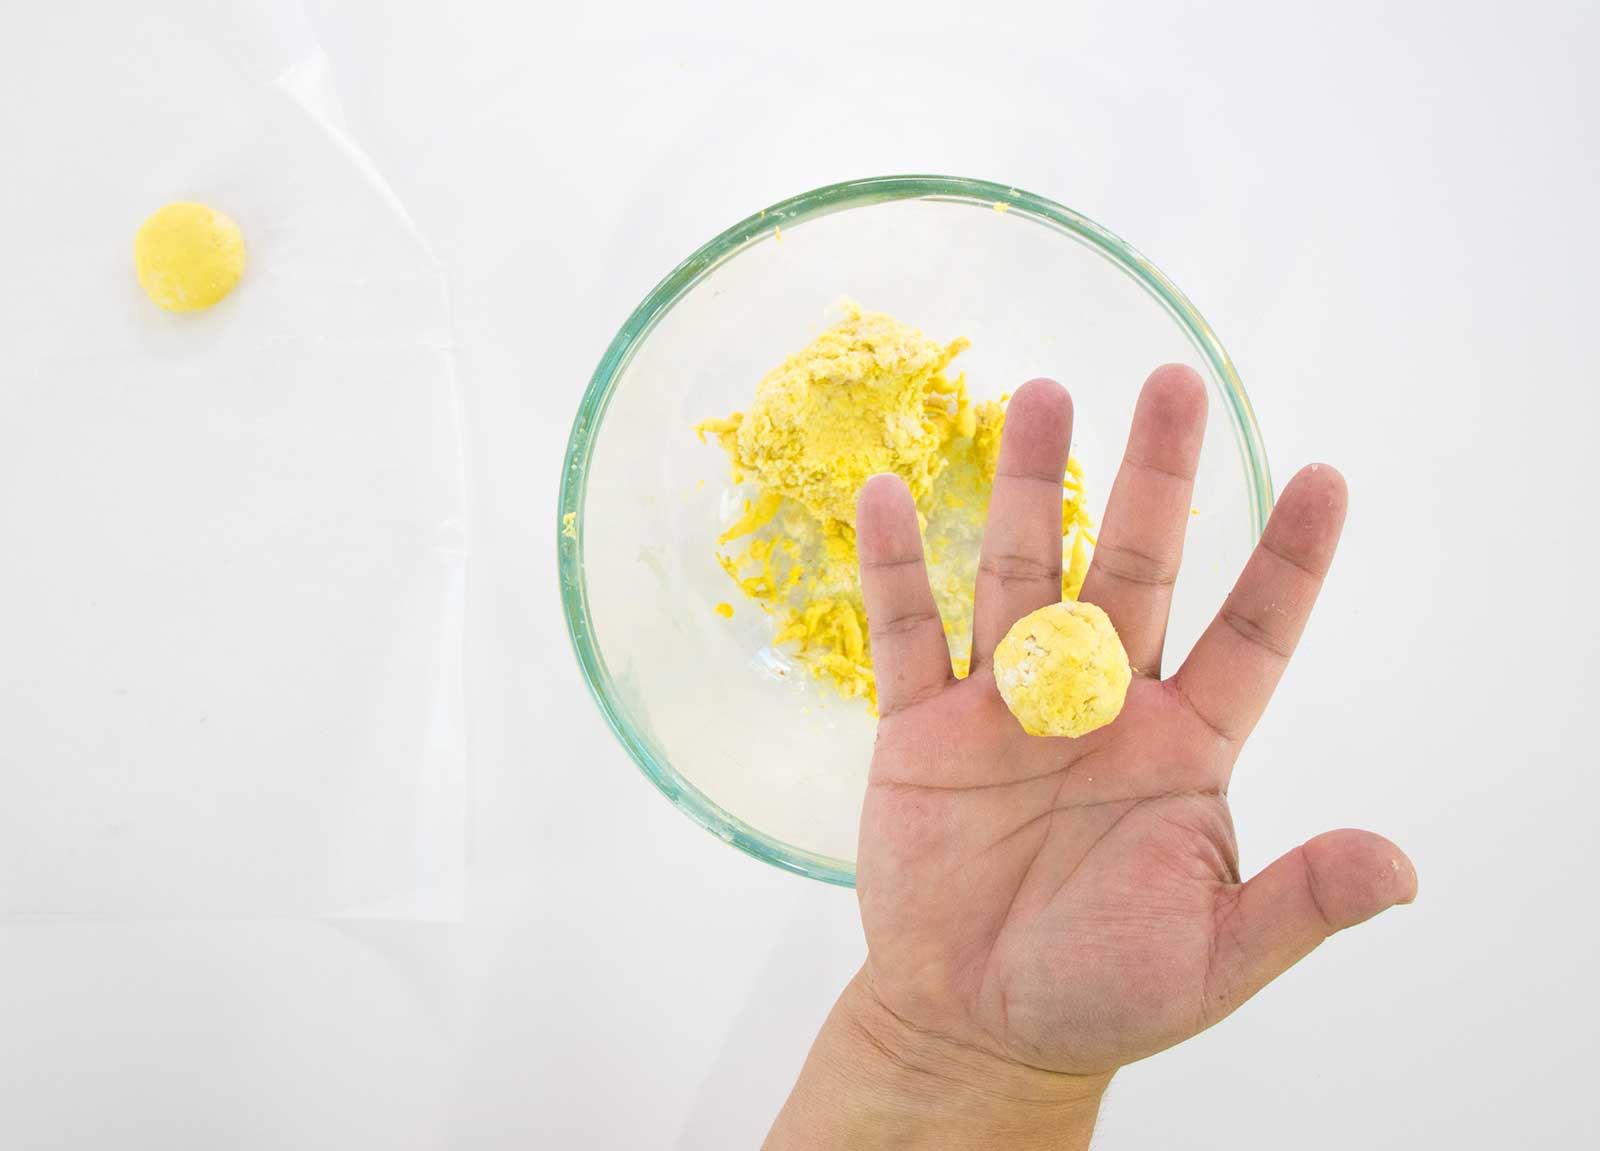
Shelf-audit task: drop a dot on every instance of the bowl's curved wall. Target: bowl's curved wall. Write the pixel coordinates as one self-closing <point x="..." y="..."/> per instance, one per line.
<point x="767" y="760"/>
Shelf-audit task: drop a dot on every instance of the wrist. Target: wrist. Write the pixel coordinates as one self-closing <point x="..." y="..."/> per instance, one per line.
<point x="873" y="1079"/>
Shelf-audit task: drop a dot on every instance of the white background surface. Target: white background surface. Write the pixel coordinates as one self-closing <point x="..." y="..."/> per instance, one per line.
<point x="1386" y="213"/>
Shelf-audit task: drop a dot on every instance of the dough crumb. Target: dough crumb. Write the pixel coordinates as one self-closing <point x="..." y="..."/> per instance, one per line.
<point x="569" y="525"/>
<point x="188" y="257"/>
<point x="1062" y="670"/>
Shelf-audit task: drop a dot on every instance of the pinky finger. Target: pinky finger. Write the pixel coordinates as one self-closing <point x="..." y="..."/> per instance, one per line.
<point x="909" y="650"/>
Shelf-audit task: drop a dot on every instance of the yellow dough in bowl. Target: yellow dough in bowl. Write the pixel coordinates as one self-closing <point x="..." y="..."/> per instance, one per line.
<point x="869" y="395"/>
<point x="189" y="256"/>
<point x="1062" y="670"/>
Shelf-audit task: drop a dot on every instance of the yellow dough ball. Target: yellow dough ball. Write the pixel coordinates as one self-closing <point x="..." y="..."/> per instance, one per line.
<point x="1062" y="670"/>
<point x="188" y="256"/>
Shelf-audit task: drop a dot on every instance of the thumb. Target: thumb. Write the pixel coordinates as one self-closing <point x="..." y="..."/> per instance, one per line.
<point x="1266" y="926"/>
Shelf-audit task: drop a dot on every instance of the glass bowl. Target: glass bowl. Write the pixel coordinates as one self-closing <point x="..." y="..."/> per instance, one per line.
<point x="743" y="742"/>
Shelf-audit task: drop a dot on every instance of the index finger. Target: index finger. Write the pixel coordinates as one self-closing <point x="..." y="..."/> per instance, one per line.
<point x="1233" y="669"/>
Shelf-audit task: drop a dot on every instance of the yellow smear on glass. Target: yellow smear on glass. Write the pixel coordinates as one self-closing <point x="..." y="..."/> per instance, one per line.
<point x="188" y="256"/>
<point x="870" y="395"/>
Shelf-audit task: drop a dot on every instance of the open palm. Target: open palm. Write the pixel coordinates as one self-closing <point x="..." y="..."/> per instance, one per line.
<point x="1075" y="904"/>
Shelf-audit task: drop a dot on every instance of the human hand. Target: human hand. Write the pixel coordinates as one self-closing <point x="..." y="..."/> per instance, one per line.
<point x="1040" y="912"/>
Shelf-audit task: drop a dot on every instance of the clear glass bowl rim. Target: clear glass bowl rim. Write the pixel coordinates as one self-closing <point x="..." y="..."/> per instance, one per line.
<point x="678" y="283"/>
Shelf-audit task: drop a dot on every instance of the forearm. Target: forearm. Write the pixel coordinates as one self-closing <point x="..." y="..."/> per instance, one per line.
<point x="873" y="1082"/>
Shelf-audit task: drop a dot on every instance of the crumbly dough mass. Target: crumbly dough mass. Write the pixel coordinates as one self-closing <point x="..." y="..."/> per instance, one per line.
<point x="1062" y="670"/>
<point x="870" y="395"/>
